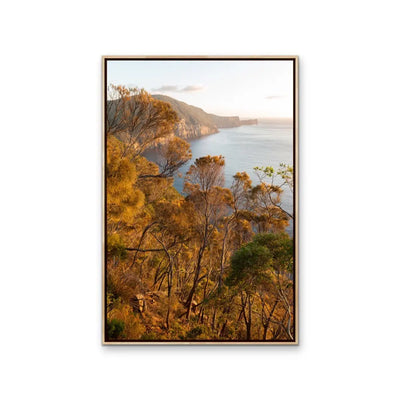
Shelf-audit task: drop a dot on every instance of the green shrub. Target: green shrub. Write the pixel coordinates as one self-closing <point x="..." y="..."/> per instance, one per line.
<point x="194" y="332"/>
<point x="115" y="328"/>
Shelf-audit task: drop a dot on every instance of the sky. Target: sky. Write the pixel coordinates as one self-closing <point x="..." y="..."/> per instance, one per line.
<point x="248" y="89"/>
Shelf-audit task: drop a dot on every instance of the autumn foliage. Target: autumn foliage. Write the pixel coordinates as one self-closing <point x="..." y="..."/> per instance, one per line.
<point x="212" y="264"/>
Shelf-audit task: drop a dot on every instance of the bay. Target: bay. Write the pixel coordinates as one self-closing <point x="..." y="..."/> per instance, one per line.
<point x="245" y="147"/>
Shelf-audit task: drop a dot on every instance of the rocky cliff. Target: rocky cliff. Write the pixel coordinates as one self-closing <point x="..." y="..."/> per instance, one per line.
<point x="195" y="122"/>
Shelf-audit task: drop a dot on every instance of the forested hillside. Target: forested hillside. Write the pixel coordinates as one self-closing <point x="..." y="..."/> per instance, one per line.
<point x="212" y="264"/>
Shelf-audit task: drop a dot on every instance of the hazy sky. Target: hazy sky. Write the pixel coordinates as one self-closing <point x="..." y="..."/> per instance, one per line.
<point x="244" y="88"/>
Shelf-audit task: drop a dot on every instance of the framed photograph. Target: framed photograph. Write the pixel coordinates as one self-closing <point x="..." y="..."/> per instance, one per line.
<point x="200" y="200"/>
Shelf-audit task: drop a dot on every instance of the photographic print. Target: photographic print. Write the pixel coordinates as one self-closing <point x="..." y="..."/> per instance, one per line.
<point x="200" y="200"/>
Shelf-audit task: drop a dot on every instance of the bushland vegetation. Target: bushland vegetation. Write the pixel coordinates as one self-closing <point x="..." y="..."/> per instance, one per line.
<point x="214" y="263"/>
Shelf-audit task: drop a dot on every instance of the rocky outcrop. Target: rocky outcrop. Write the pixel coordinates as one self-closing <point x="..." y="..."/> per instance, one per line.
<point x="138" y="303"/>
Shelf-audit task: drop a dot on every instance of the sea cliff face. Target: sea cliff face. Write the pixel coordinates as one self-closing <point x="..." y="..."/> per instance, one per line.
<point x="195" y="122"/>
<point x="225" y="122"/>
<point x="189" y="130"/>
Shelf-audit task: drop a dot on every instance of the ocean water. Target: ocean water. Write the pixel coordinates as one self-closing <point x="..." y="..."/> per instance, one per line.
<point x="244" y="148"/>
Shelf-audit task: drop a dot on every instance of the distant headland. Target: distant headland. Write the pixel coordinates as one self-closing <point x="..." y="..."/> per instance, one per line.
<point x="195" y="122"/>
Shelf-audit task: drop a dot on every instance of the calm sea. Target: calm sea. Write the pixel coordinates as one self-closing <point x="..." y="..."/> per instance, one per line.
<point x="244" y="148"/>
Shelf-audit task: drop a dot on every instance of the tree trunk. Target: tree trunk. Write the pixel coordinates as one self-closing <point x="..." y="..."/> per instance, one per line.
<point x="213" y="318"/>
<point x="266" y="325"/>
<point x="189" y="300"/>
<point x="249" y="320"/>
<point x="264" y="337"/>
<point x="248" y="331"/>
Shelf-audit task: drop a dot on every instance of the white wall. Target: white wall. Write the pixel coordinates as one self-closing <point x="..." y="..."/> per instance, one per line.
<point x="51" y="203"/>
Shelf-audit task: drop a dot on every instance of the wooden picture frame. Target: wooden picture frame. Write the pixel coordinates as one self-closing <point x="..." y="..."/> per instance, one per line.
<point x="118" y="325"/>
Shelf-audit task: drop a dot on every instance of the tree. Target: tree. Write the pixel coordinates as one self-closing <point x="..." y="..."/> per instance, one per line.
<point x="268" y="178"/>
<point x="172" y="155"/>
<point x="263" y="268"/>
<point x="240" y="188"/>
<point x="124" y="200"/>
<point x="281" y="289"/>
<point x="137" y="119"/>
<point x="203" y="184"/>
<point x="241" y="217"/>
<point x="265" y="208"/>
<point x="249" y="270"/>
